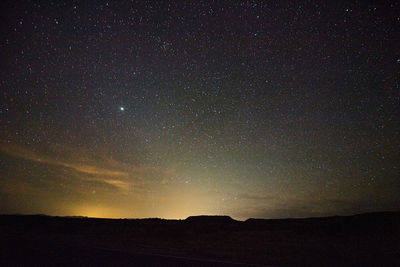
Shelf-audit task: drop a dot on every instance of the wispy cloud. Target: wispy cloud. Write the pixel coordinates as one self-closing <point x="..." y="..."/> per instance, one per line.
<point x="94" y="168"/>
<point x="124" y="186"/>
<point x="20" y="152"/>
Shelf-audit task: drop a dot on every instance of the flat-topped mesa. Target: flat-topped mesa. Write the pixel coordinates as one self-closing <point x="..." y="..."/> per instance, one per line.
<point x="210" y="219"/>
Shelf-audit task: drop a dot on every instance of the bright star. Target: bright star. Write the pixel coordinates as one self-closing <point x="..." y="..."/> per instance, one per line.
<point x="121" y="108"/>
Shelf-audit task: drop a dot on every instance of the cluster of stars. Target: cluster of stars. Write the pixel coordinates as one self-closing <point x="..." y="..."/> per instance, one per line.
<point x="256" y="106"/>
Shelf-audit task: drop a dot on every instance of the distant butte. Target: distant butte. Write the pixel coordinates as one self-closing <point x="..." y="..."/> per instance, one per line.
<point x="210" y="218"/>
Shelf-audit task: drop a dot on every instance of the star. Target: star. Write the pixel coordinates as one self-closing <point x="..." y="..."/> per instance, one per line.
<point x="209" y="110"/>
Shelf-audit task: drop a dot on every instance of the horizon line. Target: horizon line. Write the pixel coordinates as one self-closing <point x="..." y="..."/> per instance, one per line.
<point x="200" y="215"/>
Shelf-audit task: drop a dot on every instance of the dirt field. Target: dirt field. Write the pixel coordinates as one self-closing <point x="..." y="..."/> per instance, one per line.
<point x="361" y="240"/>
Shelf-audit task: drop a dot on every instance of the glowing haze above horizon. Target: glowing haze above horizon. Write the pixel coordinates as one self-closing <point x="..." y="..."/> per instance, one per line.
<point x="164" y="109"/>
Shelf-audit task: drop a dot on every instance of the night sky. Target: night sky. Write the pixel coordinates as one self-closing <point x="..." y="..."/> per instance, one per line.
<point x="170" y="109"/>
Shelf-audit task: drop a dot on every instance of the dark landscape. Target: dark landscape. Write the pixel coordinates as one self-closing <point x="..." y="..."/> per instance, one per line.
<point x="370" y="239"/>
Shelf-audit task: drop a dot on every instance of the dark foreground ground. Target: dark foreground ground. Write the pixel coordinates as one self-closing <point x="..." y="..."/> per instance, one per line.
<point x="361" y="240"/>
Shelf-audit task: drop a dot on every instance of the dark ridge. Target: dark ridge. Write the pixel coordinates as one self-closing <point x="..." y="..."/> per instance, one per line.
<point x="360" y="240"/>
<point x="383" y="215"/>
<point x="210" y="219"/>
<point x="372" y="216"/>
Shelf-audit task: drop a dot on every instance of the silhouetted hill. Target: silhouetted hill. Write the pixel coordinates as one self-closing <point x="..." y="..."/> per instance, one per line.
<point x="210" y="219"/>
<point x="361" y="240"/>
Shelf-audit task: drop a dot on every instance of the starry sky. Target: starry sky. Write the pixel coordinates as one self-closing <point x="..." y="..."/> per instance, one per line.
<point x="132" y="109"/>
